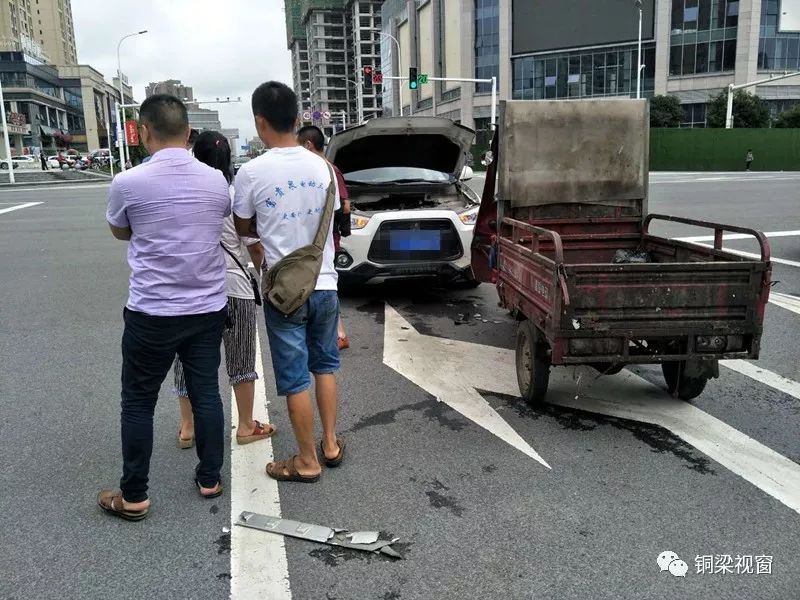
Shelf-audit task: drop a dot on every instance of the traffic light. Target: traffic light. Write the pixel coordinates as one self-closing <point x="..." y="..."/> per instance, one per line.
<point x="412" y="78"/>
<point x="367" y="77"/>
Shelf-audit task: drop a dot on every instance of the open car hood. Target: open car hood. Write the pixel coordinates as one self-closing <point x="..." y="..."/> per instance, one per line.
<point x="424" y="142"/>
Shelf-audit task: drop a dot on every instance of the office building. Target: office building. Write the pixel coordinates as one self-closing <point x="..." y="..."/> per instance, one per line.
<point x="232" y="134"/>
<point x="97" y="98"/>
<point x="173" y="87"/>
<point x="203" y="119"/>
<point x="331" y="41"/>
<point x="44" y="28"/>
<point x="539" y="49"/>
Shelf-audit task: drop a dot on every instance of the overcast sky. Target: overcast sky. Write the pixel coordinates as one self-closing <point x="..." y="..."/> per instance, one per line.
<point x="219" y="47"/>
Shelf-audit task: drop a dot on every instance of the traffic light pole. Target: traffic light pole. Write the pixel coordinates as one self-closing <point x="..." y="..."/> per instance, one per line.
<point x="493" y="81"/>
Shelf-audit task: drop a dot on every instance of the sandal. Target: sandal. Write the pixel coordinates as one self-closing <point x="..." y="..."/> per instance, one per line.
<point x="111" y="502"/>
<point x="216" y="494"/>
<point x="333" y="462"/>
<point x="261" y="432"/>
<point x="285" y="470"/>
<point x="185" y="443"/>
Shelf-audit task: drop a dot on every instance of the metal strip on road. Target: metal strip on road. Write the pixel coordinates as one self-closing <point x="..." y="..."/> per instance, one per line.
<point x="259" y="567"/>
<point x="452" y="370"/>
<point x="19" y="206"/>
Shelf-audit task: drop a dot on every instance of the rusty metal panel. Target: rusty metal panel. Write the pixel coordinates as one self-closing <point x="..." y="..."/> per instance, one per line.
<point x="575" y="151"/>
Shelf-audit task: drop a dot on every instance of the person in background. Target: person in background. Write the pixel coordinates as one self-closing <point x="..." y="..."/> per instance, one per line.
<point x="43" y="160"/>
<point x="193" y="135"/>
<point x="283" y="193"/>
<point x="171" y="210"/>
<point x="748" y="160"/>
<point x="239" y="340"/>
<point x="311" y="138"/>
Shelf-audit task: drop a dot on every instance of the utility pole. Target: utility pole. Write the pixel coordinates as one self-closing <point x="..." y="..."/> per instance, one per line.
<point x="733" y="87"/>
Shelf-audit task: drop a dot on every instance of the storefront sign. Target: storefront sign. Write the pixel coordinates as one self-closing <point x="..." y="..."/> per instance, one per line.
<point x="132" y="132"/>
<point x="17" y="124"/>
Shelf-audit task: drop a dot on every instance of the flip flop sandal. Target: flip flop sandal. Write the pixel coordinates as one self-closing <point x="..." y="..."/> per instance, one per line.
<point x="333" y="462"/>
<point x="259" y="433"/>
<point x="111" y="502"/>
<point x="185" y="443"/>
<point x="216" y="494"/>
<point x="285" y="470"/>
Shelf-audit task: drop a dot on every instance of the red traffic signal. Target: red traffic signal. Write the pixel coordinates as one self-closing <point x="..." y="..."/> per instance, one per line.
<point x="377" y="78"/>
<point x="367" y="71"/>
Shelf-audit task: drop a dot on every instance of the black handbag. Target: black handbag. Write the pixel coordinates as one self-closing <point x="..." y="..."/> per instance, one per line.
<point x="250" y="276"/>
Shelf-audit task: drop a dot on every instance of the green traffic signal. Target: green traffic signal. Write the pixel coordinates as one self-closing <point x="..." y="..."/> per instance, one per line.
<point x="412" y="78"/>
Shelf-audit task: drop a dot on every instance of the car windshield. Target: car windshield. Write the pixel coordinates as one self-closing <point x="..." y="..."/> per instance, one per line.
<point x="397" y="175"/>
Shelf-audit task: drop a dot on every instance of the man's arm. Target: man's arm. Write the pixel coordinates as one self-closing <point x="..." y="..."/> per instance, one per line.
<point x="121" y="233"/>
<point x="244" y="210"/>
<point x="256" y="252"/>
<point x="245" y="227"/>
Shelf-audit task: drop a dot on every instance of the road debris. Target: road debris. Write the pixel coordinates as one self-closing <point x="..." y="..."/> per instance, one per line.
<point x="366" y="541"/>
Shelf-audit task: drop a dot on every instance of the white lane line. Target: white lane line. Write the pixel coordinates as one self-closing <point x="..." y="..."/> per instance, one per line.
<point x="773" y="380"/>
<point x="19" y="206"/>
<point x="786" y="301"/>
<point x="739" y="236"/>
<point x="628" y="396"/>
<point x="259" y="568"/>
<point x="781" y="261"/>
<point x="49" y="189"/>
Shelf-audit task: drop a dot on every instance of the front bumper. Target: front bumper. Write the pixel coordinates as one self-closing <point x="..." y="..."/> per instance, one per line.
<point x="359" y="267"/>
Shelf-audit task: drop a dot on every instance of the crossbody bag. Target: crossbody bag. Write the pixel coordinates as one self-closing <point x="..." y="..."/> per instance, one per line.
<point x="248" y="274"/>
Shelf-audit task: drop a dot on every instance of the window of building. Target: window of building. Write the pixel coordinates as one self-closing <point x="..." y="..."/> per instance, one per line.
<point x="777" y="50"/>
<point x="487" y="42"/>
<point x="703" y="36"/>
<point x="583" y="73"/>
<point x="694" y="115"/>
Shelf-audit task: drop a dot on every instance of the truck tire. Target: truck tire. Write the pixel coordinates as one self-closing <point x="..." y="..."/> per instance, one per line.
<point x="679" y="384"/>
<point x="533" y="363"/>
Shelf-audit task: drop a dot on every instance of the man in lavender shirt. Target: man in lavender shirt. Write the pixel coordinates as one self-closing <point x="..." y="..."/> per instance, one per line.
<point x="171" y="210"/>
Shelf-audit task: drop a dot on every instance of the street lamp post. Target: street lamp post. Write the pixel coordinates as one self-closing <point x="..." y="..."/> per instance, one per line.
<point x="5" y="137"/>
<point x="639" y="65"/>
<point x="122" y="143"/>
<point x="399" y="66"/>
<point x="359" y="100"/>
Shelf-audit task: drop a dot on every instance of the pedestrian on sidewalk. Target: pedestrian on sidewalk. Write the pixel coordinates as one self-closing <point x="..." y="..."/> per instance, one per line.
<point x="172" y="211"/>
<point x="43" y="160"/>
<point x="285" y="192"/>
<point x="312" y="139"/>
<point x="748" y="160"/>
<point x="239" y="339"/>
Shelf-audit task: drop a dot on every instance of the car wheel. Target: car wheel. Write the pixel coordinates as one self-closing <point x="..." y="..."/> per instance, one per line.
<point x="679" y="384"/>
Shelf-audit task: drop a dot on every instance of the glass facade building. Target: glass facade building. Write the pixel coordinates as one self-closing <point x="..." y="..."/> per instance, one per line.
<point x="703" y="36"/>
<point x="777" y="50"/>
<point x="487" y="43"/>
<point x="589" y="73"/>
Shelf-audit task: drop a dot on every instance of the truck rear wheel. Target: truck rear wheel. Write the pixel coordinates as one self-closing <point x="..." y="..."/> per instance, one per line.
<point x="533" y="363"/>
<point x="687" y="387"/>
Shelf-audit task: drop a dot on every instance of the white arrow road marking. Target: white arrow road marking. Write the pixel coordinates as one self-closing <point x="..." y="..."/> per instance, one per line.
<point x="451" y="370"/>
<point x="259" y="569"/>
<point x="13" y="208"/>
<point x="786" y="301"/>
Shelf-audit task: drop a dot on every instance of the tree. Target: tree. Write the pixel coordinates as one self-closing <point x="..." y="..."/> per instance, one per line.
<point x="749" y="110"/>
<point x="665" y="111"/>
<point x="789" y="118"/>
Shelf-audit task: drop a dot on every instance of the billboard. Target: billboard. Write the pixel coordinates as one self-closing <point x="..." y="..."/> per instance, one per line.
<point x="789" y="15"/>
<point x="132" y="132"/>
<point x="541" y="25"/>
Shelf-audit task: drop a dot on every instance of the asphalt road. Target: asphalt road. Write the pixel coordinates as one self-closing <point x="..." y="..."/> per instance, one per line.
<point x="478" y="515"/>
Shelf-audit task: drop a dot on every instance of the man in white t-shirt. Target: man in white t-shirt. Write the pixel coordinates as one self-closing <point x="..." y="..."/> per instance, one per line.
<point x="281" y="197"/>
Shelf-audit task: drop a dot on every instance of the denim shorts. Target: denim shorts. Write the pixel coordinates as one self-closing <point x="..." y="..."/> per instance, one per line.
<point x="305" y="341"/>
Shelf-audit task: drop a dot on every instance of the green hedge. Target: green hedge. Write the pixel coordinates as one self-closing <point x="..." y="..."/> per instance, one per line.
<point x="724" y="149"/>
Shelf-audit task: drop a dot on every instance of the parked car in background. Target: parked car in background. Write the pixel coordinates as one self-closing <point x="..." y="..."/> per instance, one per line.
<point x="411" y="214"/>
<point x="5" y="164"/>
<point x="238" y="162"/>
<point x="53" y="162"/>
<point x="25" y="161"/>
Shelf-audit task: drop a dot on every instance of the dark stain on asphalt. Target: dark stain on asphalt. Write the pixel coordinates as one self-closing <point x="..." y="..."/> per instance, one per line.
<point x="224" y="576"/>
<point x="438" y="500"/>
<point x="438" y="485"/>
<point x="214" y="509"/>
<point x="376" y="308"/>
<point x="333" y="556"/>
<point x="659" y="439"/>
<point x="489" y="468"/>
<point x="393" y="595"/>
<point x="431" y="409"/>
<point x="223" y="543"/>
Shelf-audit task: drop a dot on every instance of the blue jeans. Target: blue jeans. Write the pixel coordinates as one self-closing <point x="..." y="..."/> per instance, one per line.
<point x="304" y="341"/>
<point x="149" y="345"/>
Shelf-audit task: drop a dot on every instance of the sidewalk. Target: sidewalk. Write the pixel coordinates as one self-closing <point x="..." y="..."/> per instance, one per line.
<point x="53" y="177"/>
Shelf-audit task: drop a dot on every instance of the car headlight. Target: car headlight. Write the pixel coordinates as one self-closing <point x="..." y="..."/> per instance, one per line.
<point x="358" y="221"/>
<point x="469" y="216"/>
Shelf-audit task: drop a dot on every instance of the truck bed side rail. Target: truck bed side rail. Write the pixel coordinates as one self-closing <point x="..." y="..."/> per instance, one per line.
<point x="718" y="229"/>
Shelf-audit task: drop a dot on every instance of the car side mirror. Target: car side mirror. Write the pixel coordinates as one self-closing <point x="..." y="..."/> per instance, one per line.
<point x="466" y="173"/>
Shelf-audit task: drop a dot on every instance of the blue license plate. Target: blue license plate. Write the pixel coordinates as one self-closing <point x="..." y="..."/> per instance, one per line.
<point x="415" y="241"/>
